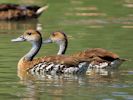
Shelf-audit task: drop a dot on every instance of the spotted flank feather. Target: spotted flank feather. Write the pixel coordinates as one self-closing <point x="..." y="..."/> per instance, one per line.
<point x="53" y="68"/>
<point x="106" y="65"/>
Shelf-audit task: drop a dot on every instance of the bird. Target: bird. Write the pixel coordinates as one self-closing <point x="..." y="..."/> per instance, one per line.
<point x="99" y="58"/>
<point x="54" y="64"/>
<point x="20" y="12"/>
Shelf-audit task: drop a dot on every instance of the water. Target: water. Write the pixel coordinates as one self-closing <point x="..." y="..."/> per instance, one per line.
<point x="88" y="24"/>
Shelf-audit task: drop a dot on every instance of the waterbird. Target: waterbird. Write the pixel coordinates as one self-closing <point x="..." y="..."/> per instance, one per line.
<point x="20" y="12"/>
<point x="55" y="64"/>
<point x="100" y="58"/>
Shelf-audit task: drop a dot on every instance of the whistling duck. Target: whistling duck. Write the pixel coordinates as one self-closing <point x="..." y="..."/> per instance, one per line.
<point x="19" y="12"/>
<point x="100" y="58"/>
<point x="48" y="64"/>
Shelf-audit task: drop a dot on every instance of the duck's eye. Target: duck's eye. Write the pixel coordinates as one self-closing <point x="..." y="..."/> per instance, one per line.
<point x="53" y="34"/>
<point x="29" y="33"/>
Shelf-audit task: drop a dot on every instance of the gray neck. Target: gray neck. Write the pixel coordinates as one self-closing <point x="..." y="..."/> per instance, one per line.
<point x="36" y="45"/>
<point x="62" y="47"/>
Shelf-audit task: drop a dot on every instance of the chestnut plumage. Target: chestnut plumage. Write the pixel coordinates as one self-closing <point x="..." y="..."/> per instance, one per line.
<point x="47" y="64"/>
<point x="20" y="12"/>
<point x="98" y="57"/>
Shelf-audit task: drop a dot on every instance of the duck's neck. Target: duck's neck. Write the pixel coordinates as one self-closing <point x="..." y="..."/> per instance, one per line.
<point x="62" y="47"/>
<point x="34" y="50"/>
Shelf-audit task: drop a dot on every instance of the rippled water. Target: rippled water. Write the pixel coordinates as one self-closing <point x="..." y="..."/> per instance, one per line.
<point x="88" y="23"/>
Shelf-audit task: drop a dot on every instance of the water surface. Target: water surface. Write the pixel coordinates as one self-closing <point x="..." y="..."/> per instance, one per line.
<point x="88" y="24"/>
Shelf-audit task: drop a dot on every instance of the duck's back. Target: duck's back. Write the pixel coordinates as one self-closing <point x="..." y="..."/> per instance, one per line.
<point x="17" y="12"/>
<point x="97" y="52"/>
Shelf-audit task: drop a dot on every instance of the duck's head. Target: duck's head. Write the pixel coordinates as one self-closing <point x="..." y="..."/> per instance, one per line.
<point x="61" y="39"/>
<point x="57" y="37"/>
<point x="29" y="35"/>
<point x="34" y="37"/>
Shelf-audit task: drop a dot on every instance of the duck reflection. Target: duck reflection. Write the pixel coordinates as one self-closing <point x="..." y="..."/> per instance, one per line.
<point x="22" y="25"/>
<point x="102" y="74"/>
<point x="38" y="87"/>
<point x="41" y="86"/>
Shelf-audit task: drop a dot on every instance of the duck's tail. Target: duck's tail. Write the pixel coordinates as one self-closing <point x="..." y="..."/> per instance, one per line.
<point x="40" y="10"/>
<point x="123" y="59"/>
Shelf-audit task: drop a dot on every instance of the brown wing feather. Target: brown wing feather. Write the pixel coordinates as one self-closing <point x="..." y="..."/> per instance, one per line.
<point x="57" y="59"/>
<point x="62" y="59"/>
<point x="97" y="52"/>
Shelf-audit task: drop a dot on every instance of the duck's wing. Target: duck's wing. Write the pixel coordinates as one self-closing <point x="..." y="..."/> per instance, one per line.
<point x="56" y="64"/>
<point x="68" y="61"/>
<point x="97" y="52"/>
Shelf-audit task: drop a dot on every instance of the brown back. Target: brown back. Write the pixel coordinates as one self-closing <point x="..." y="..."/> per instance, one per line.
<point x="97" y="52"/>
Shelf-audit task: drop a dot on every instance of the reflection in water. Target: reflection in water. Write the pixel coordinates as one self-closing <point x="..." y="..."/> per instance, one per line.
<point x="128" y="1"/>
<point x="16" y="25"/>
<point x="87" y="8"/>
<point x="34" y="91"/>
<point x="95" y="73"/>
<point x="103" y="75"/>
<point x="57" y="85"/>
<point x="34" y="88"/>
<point x="27" y="1"/>
<point x="31" y="92"/>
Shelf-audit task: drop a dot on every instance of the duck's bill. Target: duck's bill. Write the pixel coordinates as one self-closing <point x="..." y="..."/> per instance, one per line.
<point x="47" y="41"/>
<point x="19" y="39"/>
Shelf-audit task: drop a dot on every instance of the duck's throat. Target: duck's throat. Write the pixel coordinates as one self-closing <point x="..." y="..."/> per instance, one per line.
<point x="62" y="48"/>
<point x="34" y="50"/>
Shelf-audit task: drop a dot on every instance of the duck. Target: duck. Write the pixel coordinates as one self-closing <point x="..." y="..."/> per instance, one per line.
<point x="99" y="58"/>
<point x="54" y="64"/>
<point x="20" y="12"/>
